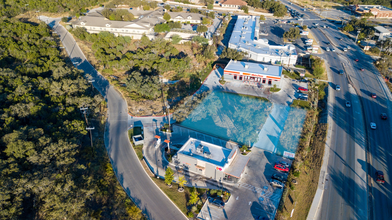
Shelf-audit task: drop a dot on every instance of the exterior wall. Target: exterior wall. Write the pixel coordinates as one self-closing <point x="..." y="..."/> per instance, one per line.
<point x="210" y="171"/>
<point x="258" y="80"/>
<point x="230" y="6"/>
<point x="135" y="34"/>
<point x="185" y="20"/>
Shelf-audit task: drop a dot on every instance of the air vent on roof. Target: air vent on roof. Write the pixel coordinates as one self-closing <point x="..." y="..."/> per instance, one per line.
<point x="107" y="25"/>
<point x="265" y="68"/>
<point x="246" y="66"/>
<point x="199" y="149"/>
<point x="207" y="154"/>
<point x="247" y="43"/>
<point x="235" y="61"/>
<point x="243" y="36"/>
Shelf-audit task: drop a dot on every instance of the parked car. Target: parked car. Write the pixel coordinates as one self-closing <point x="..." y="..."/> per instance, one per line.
<point x="276" y="183"/>
<point x="348" y="104"/>
<point x="337" y="88"/>
<point x="345" y="49"/>
<point x="302" y="89"/>
<point x="327" y="49"/>
<point x="374" y="95"/>
<point x="284" y="163"/>
<point x="303" y="96"/>
<point x="362" y="69"/>
<point x="341" y="72"/>
<point x="281" y="167"/>
<point x="373" y="125"/>
<point x="356" y="60"/>
<point x="380" y="177"/>
<point x="279" y="178"/>
<point x="384" y="116"/>
<point x="333" y="49"/>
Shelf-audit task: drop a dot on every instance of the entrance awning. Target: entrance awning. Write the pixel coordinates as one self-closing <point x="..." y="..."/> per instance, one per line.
<point x="237" y="166"/>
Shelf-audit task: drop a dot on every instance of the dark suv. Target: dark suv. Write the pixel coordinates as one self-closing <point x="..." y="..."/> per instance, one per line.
<point x="279" y="177"/>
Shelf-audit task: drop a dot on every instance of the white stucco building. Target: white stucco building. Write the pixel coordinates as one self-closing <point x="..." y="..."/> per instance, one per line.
<point x="245" y="37"/>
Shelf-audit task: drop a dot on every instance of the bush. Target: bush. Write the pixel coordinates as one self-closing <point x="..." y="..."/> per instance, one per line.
<point x="219" y="193"/>
<point x="200" y="40"/>
<point x="194" y="209"/>
<point x="161" y="28"/>
<point x="176" y="39"/>
<point x="64" y="19"/>
<point x="301" y="104"/>
<point x="190" y="215"/>
<point x="375" y="50"/>
<point x="213" y="191"/>
<point x="262" y="17"/>
<point x="210" y="6"/>
<point x="201" y="29"/>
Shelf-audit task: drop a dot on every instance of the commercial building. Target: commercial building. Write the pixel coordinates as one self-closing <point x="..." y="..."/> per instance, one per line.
<point x="245" y="37"/>
<point x="183" y="17"/>
<point x="253" y="73"/>
<point x="378" y="11"/>
<point x="382" y="32"/>
<point x="232" y="3"/>
<point x="211" y="161"/>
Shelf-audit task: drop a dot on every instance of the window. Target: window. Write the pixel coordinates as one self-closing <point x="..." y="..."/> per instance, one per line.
<point x="235" y="77"/>
<point x="269" y="82"/>
<point x="240" y="77"/>
<point x="264" y="81"/>
<point x="200" y="170"/>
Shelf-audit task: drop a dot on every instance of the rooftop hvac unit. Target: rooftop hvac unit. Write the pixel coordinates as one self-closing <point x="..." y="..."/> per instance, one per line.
<point x="265" y="68"/>
<point x="246" y="66"/>
<point x="207" y="155"/>
<point x="199" y="149"/>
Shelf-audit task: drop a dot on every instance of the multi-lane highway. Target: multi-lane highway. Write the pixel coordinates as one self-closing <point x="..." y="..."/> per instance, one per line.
<point x="129" y="171"/>
<point x="349" y="194"/>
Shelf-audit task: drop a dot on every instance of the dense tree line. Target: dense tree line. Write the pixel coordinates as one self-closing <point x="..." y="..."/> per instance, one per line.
<point x="272" y="6"/>
<point x="292" y="34"/>
<point x="363" y="25"/>
<point x="11" y="8"/>
<point x="118" y="15"/>
<point x="232" y="54"/>
<point x="48" y="169"/>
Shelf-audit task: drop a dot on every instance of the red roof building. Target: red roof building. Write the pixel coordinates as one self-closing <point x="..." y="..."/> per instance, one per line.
<point x="232" y="3"/>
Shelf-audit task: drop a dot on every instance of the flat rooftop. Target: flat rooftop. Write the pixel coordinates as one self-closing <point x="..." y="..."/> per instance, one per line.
<point x="210" y="153"/>
<point x="382" y="29"/>
<point x="255" y="68"/>
<point x="246" y="35"/>
<point x="368" y="7"/>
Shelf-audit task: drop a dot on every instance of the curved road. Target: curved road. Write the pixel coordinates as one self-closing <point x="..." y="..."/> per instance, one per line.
<point x="129" y="171"/>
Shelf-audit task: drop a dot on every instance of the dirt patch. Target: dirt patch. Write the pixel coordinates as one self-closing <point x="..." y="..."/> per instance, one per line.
<point x="316" y="4"/>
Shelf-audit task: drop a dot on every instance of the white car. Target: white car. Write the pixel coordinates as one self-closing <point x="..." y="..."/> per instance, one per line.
<point x="373" y="125"/>
<point x="276" y="183"/>
<point x="348" y="104"/>
<point x="327" y="49"/>
<point x="337" y="87"/>
<point x="333" y="49"/>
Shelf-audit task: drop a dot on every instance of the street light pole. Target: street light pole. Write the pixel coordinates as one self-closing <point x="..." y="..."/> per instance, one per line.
<point x="357" y="36"/>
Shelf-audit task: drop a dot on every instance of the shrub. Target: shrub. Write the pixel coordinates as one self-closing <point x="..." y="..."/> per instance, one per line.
<point x="375" y="50"/>
<point x="64" y="19"/>
<point x="190" y="215"/>
<point x="194" y="209"/>
<point x="296" y="173"/>
<point x="219" y="193"/>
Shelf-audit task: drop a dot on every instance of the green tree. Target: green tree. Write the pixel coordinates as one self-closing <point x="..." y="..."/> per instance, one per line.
<point x="159" y="28"/>
<point x="182" y="181"/>
<point x="167" y="7"/>
<point x="169" y="176"/>
<point x="232" y="54"/>
<point x="292" y="34"/>
<point x="201" y="29"/>
<point x="200" y="40"/>
<point x="262" y="17"/>
<point x="245" y="9"/>
<point x="194" y="197"/>
<point x="166" y="16"/>
<point x="146" y="7"/>
<point x="134" y="212"/>
<point x="176" y="39"/>
<point x="64" y="19"/>
<point x="318" y="71"/>
<point x="211" y="14"/>
<point x="304" y="27"/>
<point x="348" y="28"/>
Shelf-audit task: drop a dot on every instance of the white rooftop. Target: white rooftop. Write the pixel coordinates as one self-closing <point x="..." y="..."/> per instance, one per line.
<point x="382" y="29"/>
<point x="255" y="68"/>
<point x="207" y="152"/>
<point x="246" y="35"/>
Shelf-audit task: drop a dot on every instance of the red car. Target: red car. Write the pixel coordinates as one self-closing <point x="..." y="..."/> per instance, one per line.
<point x="362" y="69"/>
<point x="281" y="167"/>
<point x="380" y="177"/>
<point x="302" y="89"/>
<point x="384" y="116"/>
<point x="374" y="95"/>
<point x="356" y="60"/>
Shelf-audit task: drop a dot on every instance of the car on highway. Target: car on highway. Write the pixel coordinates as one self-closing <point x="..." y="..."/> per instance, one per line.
<point x="380" y="177"/>
<point x="341" y="72"/>
<point x="337" y="88"/>
<point x="276" y="183"/>
<point x="281" y="167"/>
<point x="362" y="69"/>
<point x="356" y="60"/>
<point x="373" y="125"/>
<point x="333" y="49"/>
<point x="384" y="116"/>
<point x="348" y="104"/>
<point x="345" y="49"/>
<point x="327" y="49"/>
<point x="279" y="178"/>
<point x="374" y="95"/>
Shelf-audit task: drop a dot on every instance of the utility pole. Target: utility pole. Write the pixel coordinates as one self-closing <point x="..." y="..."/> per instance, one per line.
<point x="91" y="81"/>
<point x="84" y="111"/>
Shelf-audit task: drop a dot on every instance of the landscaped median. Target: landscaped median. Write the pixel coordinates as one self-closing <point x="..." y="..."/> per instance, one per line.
<point x="302" y="181"/>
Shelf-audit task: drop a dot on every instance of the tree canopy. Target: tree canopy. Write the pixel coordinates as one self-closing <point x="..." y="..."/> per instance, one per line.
<point x="272" y="6"/>
<point x="292" y="33"/>
<point x="48" y="168"/>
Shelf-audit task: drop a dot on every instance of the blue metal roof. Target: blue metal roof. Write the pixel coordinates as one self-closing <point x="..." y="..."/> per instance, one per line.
<point x="254" y="68"/>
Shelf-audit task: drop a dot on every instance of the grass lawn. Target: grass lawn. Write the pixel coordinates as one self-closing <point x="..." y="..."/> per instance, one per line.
<point x="179" y="198"/>
<point x="300" y="103"/>
<point x="292" y="75"/>
<point x="139" y="151"/>
<point x="274" y="89"/>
